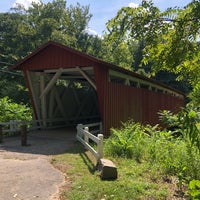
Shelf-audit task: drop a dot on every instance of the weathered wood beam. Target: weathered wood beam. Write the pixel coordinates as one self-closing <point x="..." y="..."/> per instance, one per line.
<point x="145" y="82"/>
<point x="81" y="107"/>
<point x="86" y="76"/>
<point x="43" y="99"/>
<point x="75" y="94"/>
<point x="51" y="82"/>
<point x="68" y="70"/>
<point x="60" y="105"/>
<point x="51" y="102"/>
<point x="30" y="84"/>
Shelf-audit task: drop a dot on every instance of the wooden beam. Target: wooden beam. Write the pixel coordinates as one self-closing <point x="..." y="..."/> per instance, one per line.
<point x="51" y="102"/>
<point x="51" y="82"/>
<point x="83" y="102"/>
<point x="140" y="81"/>
<point x="43" y="99"/>
<point x="86" y="76"/>
<point x="33" y="99"/>
<point x="60" y="105"/>
<point x="68" y="70"/>
<point x="75" y="94"/>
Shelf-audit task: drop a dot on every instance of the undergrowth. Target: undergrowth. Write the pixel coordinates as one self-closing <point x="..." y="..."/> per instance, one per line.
<point x="173" y="156"/>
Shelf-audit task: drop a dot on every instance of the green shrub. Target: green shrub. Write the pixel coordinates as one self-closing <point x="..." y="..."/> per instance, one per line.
<point x="172" y="155"/>
<point x="125" y="142"/>
<point x="13" y="111"/>
<point x="184" y="124"/>
<point x="194" y="189"/>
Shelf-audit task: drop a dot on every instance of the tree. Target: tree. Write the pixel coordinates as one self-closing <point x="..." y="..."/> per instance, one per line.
<point x="171" y="38"/>
<point x="22" y="31"/>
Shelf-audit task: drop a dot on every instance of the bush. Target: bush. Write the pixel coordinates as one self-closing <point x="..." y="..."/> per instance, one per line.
<point x="194" y="189"/>
<point x="13" y="111"/>
<point x="184" y="124"/>
<point x="172" y="155"/>
<point x="123" y="141"/>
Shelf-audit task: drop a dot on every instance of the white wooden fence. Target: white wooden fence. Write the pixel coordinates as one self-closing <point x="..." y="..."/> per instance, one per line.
<point x="84" y="136"/>
<point x="13" y="126"/>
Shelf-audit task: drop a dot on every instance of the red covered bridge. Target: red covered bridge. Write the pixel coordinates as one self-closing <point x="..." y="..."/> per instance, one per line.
<point x="70" y="87"/>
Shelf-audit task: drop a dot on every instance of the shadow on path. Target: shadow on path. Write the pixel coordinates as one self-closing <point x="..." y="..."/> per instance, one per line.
<point x="44" y="142"/>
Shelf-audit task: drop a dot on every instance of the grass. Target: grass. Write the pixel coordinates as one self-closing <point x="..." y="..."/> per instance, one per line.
<point x="135" y="180"/>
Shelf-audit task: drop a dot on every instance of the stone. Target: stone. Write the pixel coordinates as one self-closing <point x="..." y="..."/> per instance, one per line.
<point x="107" y="169"/>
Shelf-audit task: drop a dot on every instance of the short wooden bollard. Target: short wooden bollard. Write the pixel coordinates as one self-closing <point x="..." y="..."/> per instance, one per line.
<point x="24" y="135"/>
<point x="1" y="133"/>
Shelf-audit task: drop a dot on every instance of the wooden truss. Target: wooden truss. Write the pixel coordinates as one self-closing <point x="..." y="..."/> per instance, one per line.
<point x="64" y="95"/>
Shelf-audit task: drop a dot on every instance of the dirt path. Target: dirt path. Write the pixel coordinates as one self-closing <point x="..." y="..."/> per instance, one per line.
<point x="26" y="172"/>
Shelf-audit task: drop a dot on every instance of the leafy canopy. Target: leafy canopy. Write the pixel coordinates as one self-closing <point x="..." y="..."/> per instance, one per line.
<point x="23" y="30"/>
<point x="171" y="38"/>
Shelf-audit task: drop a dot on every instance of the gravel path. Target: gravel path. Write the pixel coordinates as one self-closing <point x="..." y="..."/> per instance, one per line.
<point x="26" y="172"/>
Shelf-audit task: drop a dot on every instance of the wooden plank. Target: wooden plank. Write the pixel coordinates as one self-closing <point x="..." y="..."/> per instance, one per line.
<point x="75" y="94"/>
<point x="92" y="137"/>
<point x="88" y="147"/>
<point x="91" y="125"/>
<point x="60" y="105"/>
<point x="82" y="106"/>
<point x="51" y="102"/>
<point x="33" y="94"/>
<point x="68" y="70"/>
<point x="52" y="82"/>
<point x="43" y="98"/>
<point x="86" y="76"/>
<point x="140" y="81"/>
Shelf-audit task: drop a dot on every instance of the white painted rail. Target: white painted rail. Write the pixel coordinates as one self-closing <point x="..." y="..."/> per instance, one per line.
<point x="84" y="136"/>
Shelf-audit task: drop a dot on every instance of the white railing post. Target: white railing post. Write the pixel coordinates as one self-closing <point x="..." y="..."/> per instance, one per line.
<point x="100" y="146"/>
<point x="86" y="138"/>
<point x="78" y="129"/>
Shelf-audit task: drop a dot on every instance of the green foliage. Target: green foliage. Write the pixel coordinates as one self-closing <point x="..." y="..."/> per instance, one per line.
<point x="174" y="156"/>
<point x="13" y="111"/>
<point x="23" y="30"/>
<point x="170" y="38"/>
<point x="194" y="189"/>
<point x="184" y="123"/>
<point x="123" y="141"/>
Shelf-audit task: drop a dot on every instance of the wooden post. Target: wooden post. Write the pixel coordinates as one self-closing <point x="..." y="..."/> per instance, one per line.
<point x="101" y="127"/>
<point x="86" y="138"/>
<point x="1" y="133"/>
<point x="24" y="135"/>
<point x="100" y="146"/>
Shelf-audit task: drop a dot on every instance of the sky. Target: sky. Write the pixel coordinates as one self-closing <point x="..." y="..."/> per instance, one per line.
<point x="102" y="10"/>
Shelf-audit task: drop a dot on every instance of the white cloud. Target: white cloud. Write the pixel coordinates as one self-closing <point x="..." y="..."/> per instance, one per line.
<point x="133" y="5"/>
<point x="90" y="31"/>
<point x="25" y="3"/>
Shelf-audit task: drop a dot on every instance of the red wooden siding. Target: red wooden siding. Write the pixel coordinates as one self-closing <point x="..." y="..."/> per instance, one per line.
<point x="54" y="57"/>
<point x="125" y="102"/>
<point x="119" y="103"/>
